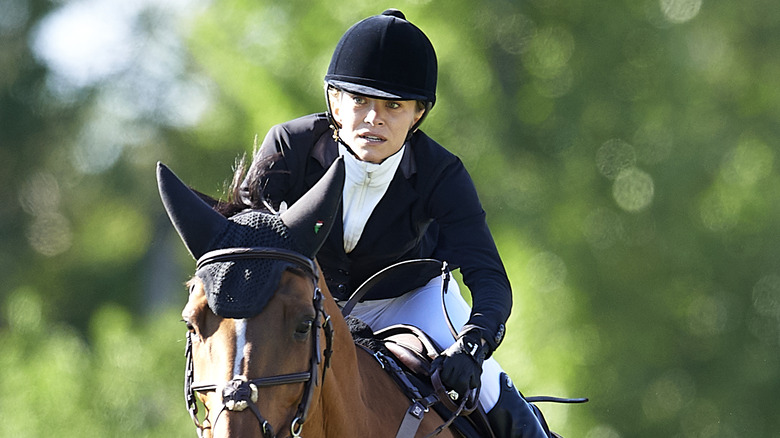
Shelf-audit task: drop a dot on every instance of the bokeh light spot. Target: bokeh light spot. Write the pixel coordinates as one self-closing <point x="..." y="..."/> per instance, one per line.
<point x="750" y="162"/>
<point x="603" y="431"/>
<point x="667" y="395"/>
<point x="712" y="54"/>
<point x="85" y="41"/>
<point x="185" y="102"/>
<point x="50" y="234"/>
<point x="633" y="189"/>
<point x="23" y="310"/>
<point x="515" y="33"/>
<point x="680" y="11"/>
<point x="40" y="194"/>
<point x="602" y="228"/>
<point x="702" y="420"/>
<point x="707" y="316"/>
<point x="766" y="296"/>
<point x="91" y="155"/>
<point x="556" y="86"/>
<point x="719" y="210"/>
<point x="614" y="156"/>
<point x="549" y="52"/>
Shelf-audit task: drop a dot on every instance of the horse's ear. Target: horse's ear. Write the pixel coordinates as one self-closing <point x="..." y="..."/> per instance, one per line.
<point x="196" y="222"/>
<point x="311" y="218"/>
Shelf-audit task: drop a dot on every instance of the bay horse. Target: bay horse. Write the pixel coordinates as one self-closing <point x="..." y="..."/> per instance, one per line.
<point x="268" y="352"/>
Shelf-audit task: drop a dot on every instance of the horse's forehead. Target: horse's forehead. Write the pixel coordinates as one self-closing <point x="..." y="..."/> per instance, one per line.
<point x="296" y="286"/>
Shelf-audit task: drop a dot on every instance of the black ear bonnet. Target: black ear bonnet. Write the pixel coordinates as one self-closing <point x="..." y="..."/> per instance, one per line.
<point x="242" y="288"/>
<point x="238" y="286"/>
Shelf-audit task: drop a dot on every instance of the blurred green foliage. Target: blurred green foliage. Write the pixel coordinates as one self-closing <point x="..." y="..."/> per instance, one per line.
<point x="625" y="151"/>
<point x="121" y="378"/>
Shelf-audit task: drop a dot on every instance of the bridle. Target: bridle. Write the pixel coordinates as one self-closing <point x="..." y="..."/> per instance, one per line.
<point x="239" y="393"/>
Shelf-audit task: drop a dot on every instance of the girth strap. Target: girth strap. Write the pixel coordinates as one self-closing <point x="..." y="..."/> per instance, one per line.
<point x="412" y="419"/>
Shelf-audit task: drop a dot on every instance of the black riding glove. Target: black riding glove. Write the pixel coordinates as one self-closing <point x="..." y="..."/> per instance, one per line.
<point x="460" y="365"/>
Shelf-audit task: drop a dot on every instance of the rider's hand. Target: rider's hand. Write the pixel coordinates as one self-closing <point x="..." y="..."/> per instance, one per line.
<point x="460" y="365"/>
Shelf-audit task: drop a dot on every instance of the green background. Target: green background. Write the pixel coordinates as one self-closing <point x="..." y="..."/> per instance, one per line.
<point x="625" y="152"/>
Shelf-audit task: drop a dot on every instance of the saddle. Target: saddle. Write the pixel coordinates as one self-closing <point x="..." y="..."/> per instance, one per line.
<point x="406" y="353"/>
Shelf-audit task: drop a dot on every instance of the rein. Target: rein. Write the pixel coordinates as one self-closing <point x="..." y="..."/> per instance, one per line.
<point x="240" y="393"/>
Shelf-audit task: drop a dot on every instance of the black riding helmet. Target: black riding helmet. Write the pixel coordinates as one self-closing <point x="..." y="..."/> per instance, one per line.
<point x="385" y="57"/>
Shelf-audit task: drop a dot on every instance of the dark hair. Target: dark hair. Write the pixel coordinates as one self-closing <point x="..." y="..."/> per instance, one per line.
<point x="246" y="190"/>
<point x="234" y="202"/>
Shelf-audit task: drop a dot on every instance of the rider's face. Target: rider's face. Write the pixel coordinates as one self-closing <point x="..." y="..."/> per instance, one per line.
<point x="374" y="128"/>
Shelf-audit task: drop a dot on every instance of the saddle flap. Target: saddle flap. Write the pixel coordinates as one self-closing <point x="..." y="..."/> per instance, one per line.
<point x="410" y="357"/>
<point x="411" y="346"/>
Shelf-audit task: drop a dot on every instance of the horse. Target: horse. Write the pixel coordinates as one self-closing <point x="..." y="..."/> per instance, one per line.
<point x="268" y="351"/>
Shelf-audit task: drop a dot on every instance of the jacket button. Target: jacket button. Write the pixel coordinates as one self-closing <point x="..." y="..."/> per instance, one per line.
<point x="499" y="334"/>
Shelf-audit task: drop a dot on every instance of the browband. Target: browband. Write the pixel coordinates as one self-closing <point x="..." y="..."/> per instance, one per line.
<point x="258" y="252"/>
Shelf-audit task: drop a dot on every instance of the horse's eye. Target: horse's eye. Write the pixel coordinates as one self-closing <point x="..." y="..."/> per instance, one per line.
<point x="303" y="328"/>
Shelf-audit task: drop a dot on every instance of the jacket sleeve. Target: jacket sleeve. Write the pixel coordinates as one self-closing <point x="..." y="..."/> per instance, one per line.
<point x="465" y="241"/>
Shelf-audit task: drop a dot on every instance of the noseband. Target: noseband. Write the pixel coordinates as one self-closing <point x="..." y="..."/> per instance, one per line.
<point x="238" y="394"/>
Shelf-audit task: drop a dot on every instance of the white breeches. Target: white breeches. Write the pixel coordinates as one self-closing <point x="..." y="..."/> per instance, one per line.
<point x="422" y="308"/>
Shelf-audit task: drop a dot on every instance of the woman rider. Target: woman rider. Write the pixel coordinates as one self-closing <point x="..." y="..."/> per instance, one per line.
<point x="405" y="197"/>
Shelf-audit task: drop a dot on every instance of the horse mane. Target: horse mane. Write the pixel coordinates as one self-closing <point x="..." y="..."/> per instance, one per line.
<point x="245" y="190"/>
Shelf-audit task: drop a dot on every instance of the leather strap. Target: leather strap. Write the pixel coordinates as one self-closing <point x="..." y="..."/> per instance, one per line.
<point x="259" y="252"/>
<point x="466" y="406"/>
<point x="411" y="422"/>
<point x="544" y="398"/>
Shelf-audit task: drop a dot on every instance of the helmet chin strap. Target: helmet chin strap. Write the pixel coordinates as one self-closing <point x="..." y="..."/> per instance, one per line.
<point x="340" y="141"/>
<point x="333" y="124"/>
<point x="416" y="126"/>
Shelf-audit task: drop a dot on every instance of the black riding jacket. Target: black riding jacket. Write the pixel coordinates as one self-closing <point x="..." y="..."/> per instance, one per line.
<point x="430" y="210"/>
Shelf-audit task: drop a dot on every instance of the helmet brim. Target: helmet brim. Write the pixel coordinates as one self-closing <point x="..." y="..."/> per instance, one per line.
<point x="365" y="90"/>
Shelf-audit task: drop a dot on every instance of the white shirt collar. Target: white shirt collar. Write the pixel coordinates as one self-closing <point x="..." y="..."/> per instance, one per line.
<point x="379" y="174"/>
<point x="365" y="185"/>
